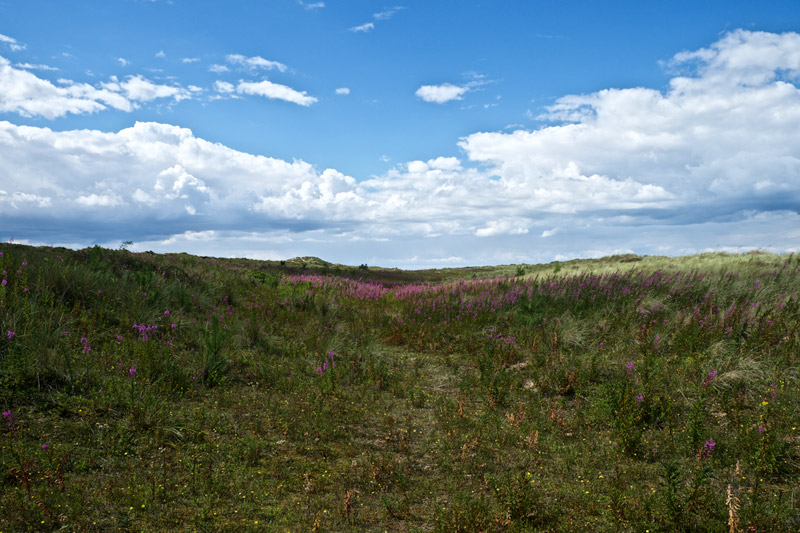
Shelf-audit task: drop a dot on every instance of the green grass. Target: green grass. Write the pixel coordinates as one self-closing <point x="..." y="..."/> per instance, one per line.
<point x="617" y="394"/>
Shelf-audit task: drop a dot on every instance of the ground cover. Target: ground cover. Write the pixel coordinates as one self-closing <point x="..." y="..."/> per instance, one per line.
<point x="173" y="392"/>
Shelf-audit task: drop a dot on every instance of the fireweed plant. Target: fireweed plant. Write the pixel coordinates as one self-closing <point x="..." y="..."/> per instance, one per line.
<point x="159" y="392"/>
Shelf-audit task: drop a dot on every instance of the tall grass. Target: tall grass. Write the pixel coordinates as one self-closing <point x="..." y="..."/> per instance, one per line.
<point x="163" y="392"/>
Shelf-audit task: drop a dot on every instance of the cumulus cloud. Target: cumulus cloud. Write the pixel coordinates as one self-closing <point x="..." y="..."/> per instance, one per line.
<point x="149" y="173"/>
<point x="99" y="200"/>
<point x="22" y="200"/>
<point x="342" y="91"/>
<point x="503" y="227"/>
<point x="28" y="95"/>
<point x="276" y="91"/>
<point x="141" y="89"/>
<point x="11" y="42"/>
<point x="218" y="69"/>
<point x="224" y="86"/>
<point x="720" y="139"/>
<point x="25" y="93"/>
<point x="123" y="62"/>
<point x="439" y="94"/>
<point x="256" y="62"/>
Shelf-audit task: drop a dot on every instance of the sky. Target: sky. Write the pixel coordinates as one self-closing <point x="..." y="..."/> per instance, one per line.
<point x="414" y="135"/>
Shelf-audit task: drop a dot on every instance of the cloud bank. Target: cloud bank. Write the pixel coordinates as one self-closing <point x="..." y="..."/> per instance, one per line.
<point x="711" y="162"/>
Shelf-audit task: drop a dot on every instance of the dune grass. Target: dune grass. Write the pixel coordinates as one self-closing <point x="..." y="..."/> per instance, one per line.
<point x="153" y="392"/>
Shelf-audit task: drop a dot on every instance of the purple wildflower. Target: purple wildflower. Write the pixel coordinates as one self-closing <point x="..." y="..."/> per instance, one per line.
<point x="166" y="313"/>
<point x="761" y="429"/>
<point x="712" y="375"/>
<point x="11" y="334"/>
<point x="7" y="414"/>
<point x="639" y="398"/>
<point x="4" y="282"/>
<point x="45" y="447"/>
<point x="708" y="449"/>
<point x="132" y="372"/>
<point x="629" y="366"/>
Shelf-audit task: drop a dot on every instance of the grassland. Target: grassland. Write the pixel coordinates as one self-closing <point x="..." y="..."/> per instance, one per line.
<point x="150" y="392"/>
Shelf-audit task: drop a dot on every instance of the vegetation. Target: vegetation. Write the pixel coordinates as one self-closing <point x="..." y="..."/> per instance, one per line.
<point x="172" y="392"/>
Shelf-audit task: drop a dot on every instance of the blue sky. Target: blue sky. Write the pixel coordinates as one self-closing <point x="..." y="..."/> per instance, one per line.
<point x="412" y="134"/>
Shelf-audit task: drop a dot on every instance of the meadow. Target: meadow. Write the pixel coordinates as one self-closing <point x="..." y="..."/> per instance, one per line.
<point x="149" y="392"/>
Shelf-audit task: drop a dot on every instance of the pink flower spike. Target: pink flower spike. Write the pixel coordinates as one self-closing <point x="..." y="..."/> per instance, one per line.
<point x="166" y="312"/>
<point x="132" y="372"/>
<point x="11" y="334"/>
<point x="45" y="447"/>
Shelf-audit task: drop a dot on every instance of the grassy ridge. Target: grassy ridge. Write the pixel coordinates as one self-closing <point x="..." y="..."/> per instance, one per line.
<point x="162" y="392"/>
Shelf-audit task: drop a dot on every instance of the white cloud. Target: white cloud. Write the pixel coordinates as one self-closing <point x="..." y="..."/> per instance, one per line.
<point x="342" y="91"/>
<point x="276" y="91"/>
<point x="122" y="61"/>
<point x="29" y="66"/>
<point x="190" y="60"/>
<point x="311" y="6"/>
<point x="24" y="200"/>
<point x="160" y="54"/>
<point x="255" y="62"/>
<point x="722" y="137"/>
<point x="99" y="200"/>
<point x="224" y="87"/>
<point x="218" y="69"/>
<point x="11" y="42"/>
<point x="440" y="94"/>
<point x="503" y="227"/>
<point x="386" y="14"/>
<point x="24" y="93"/>
<point x="141" y="89"/>
<point x="364" y="28"/>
